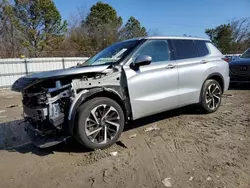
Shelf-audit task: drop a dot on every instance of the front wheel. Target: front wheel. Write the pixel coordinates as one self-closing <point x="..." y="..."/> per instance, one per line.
<point x="100" y="123"/>
<point x="211" y="95"/>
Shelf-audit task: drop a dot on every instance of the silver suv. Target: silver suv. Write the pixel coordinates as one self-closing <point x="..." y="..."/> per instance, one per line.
<point x="126" y="81"/>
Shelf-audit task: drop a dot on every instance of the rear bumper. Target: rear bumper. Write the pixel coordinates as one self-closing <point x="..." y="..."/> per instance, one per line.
<point x="226" y="84"/>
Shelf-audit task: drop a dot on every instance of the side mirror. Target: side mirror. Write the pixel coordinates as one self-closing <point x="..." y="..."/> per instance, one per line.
<point x="141" y="60"/>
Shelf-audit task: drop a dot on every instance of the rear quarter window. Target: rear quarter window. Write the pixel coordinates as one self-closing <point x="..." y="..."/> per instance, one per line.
<point x="213" y="50"/>
<point x="202" y="47"/>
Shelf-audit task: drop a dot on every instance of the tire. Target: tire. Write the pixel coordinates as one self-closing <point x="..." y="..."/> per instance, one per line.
<point x="211" y="94"/>
<point x="97" y="119"/>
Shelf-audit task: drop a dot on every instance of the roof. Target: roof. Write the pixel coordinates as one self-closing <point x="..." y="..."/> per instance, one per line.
<point x="171" y="37"/>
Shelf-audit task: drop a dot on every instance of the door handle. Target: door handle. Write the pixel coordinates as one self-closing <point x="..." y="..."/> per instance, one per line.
<point x="170" y="66"/>
<point x="203" y="61"/>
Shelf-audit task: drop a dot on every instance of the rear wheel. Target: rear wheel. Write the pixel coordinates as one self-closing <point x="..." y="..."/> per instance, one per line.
<point x="211" y="96"/>
<point x="100" y="123"/>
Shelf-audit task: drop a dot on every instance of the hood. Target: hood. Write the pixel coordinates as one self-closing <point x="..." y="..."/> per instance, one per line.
<point x="240" y="61"/>
<point x="32" y="79"/>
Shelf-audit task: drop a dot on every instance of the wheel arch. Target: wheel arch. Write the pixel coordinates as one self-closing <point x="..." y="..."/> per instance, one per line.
<point x="93" y="93"/>
<point x="217" y="77"/>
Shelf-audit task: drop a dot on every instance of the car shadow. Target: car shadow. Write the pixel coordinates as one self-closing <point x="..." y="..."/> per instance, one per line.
<point x="13" y="138"/>
<point x="187" y="110"/>
<point x="72" y="146"/>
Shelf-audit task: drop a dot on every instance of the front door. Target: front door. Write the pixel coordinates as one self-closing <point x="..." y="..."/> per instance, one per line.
<point x="153" y="88"/>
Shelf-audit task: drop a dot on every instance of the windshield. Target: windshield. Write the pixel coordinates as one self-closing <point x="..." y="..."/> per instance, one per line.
<point x="113" y="54"/>
<point x="246" y="54"/>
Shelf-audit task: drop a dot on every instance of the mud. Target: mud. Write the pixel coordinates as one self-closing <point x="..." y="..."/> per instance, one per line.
<point x="188" y="149"/>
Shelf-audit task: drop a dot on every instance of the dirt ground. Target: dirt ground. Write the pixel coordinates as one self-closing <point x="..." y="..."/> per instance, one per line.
<point x="185" y="149"/>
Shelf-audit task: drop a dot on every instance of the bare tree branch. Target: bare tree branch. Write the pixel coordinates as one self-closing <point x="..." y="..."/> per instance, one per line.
<point x="240" y="29"/>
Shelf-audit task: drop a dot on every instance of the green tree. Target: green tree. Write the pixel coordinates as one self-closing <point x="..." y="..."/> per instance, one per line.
<point x="221" y="36"/>
<point x="100" y="28"/>
<point x="103" y="14"/>
<point x="9" y="45"/>
<point x="40" y="25"/>
<point x="3" y="19"/>
<point x="132" y="29"/>
<point x="102" y="25"/>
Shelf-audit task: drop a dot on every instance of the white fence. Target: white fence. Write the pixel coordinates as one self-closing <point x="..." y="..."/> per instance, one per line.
<point x="12" y="69"/>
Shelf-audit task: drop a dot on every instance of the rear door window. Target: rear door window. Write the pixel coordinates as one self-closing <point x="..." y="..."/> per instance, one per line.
<point x="185" y="49"/>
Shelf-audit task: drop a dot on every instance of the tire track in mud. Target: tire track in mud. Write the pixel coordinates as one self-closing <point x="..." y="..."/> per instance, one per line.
<point x="212" y="129"/>
<point x="187" y="145"/>
<point x="167" y="160"/>
<point x="134" y="171"/>
<point x="147" y="163"/>
<point x="229" y="122"/>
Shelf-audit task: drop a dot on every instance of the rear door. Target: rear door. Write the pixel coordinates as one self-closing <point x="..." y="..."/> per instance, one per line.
<point x="153" y="88"/>
<point x="190" y="57"/>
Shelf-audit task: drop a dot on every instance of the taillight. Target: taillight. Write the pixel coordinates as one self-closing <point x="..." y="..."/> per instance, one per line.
<point x="226" y="59"/>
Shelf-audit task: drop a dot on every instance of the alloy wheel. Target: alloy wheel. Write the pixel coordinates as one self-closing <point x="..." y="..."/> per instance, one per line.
<point x="102" y="124"/>
<point x="213" y="96"/>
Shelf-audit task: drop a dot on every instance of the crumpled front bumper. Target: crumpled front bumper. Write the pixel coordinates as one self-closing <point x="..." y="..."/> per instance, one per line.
<point x="39" y="139"/>
<point x="41" y="129"/>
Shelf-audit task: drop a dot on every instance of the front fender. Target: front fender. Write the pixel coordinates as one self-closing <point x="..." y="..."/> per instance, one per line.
<point x="79" y="99"/>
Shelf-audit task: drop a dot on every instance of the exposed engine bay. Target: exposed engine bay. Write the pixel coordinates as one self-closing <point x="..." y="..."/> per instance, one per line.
<point x="50" y="105"/>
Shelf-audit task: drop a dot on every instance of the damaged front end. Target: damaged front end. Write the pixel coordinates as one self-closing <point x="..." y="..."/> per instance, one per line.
<point x="44" y="111"/>
<point x="50" y="104"/>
